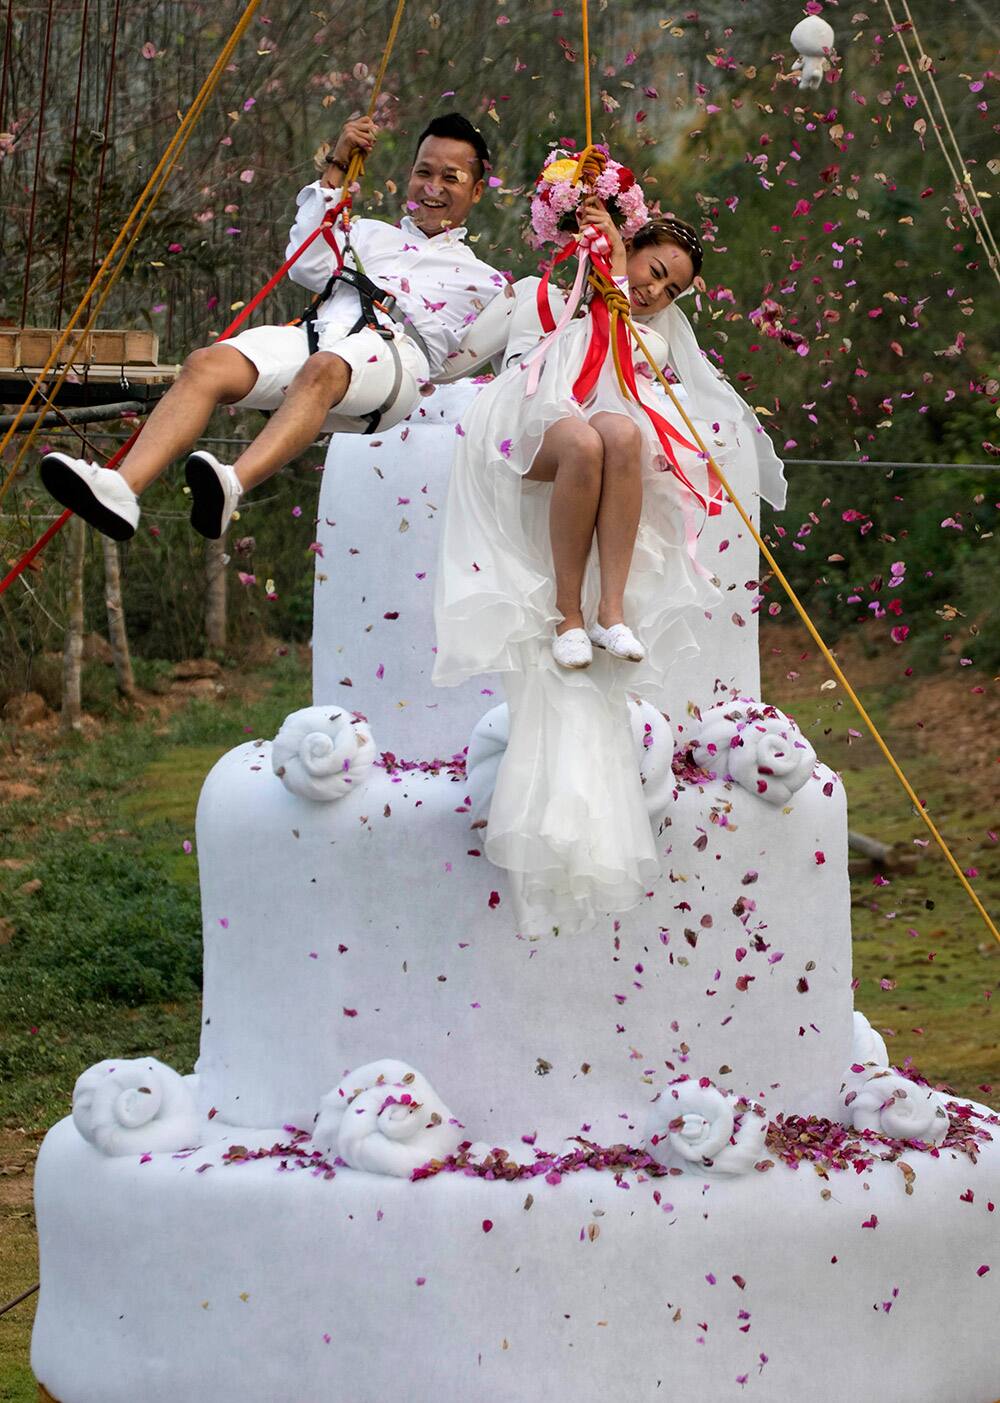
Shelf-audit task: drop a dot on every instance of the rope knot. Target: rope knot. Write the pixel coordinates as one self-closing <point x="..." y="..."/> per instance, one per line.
<point x="590" y="166"/>
<point x="614" y="298"/>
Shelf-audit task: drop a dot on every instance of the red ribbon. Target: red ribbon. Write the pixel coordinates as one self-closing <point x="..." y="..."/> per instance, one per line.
<point x="542" y="291"/>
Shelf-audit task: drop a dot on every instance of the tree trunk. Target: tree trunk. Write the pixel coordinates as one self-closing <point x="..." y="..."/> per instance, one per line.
<point x="73" y="647"/>
<point x="117" y="633"/>
<point x="215" y="595"/>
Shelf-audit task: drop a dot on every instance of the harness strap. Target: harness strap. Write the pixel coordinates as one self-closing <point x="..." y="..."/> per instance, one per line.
<point x="397" y="379"/>
<point x="373" y="299"/>
<point x="369" y="294"/>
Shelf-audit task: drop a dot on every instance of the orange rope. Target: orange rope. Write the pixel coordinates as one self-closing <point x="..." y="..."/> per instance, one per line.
<point x="831" y="660"/>
<point x="586" y="76"/>
<point x="158" y="180"/>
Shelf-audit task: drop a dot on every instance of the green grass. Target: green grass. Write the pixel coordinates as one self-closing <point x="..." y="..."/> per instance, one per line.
<point x="18" y="1272"/>
<point x="921" y="932"/>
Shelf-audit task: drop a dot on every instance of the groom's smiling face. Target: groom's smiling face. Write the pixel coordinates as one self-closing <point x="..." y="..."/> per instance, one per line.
<point x="445" y="182"/>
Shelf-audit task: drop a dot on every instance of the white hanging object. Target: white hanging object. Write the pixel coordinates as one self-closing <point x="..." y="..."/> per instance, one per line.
<point x="813" y="40"/>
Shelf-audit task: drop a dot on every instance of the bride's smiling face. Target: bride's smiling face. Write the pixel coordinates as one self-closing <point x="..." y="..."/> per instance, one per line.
<point x="657" y="273"/>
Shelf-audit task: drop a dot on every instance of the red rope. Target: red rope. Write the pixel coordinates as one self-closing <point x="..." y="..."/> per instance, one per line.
<point x="38" y="157"/>
<point x="36" y="549"/>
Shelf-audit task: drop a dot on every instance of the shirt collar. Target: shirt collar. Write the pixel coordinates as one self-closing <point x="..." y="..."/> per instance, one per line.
<point x="455" y="235"/>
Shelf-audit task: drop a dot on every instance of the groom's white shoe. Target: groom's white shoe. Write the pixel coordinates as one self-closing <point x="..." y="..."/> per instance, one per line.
<point x="572" y="649"/>
<point x="99" y="495"/>
<point x="619" y="641"/>
<point x="215" y="491"/>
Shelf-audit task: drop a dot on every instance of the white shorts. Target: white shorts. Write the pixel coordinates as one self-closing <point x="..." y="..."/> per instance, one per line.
<point x="380" y="379"/>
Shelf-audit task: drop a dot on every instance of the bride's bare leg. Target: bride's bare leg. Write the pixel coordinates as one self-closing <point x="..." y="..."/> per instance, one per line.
<point x="571" y="458"/>
<point x="618" y="512"/>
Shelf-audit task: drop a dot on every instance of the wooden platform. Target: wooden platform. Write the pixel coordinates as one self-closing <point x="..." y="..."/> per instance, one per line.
<point x="32" y="345"/>
<point x="105" y="367"/>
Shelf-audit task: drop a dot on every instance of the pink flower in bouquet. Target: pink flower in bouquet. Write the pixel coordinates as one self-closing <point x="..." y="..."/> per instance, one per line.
<point x="556" y="199"/>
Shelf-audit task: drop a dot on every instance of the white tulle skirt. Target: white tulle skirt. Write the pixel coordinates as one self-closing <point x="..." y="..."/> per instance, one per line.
<point x="567" y="818"/>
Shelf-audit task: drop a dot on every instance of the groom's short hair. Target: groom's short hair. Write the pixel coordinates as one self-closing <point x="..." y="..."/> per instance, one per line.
<point x="459" y="128"/>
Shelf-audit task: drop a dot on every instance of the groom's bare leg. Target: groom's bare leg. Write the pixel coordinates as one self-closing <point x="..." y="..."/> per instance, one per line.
<point x="320" y="384"/>
<point x="571" y="458"/>
<point x="619" y="511"/>
<point x="210" y="376"/>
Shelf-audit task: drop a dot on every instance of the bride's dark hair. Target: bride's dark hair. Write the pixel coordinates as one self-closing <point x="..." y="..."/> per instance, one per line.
<point x="661" y="230"/>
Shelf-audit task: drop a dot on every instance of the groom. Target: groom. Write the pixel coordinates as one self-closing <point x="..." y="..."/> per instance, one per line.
<point x="364" y="350"/>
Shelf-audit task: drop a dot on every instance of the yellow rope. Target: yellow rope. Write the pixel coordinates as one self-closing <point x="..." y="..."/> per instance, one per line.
<point x="800" y="609"/>
<point x="356" y="165"/>
<point x="158" y="180"/>
<point x="986" y="241"/>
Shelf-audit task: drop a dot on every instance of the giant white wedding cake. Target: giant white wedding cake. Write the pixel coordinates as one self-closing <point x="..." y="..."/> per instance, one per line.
<point x="425" y="1157"/>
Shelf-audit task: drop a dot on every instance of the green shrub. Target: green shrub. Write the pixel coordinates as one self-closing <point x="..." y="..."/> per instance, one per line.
<point x="153" y="674"/>
<point x="106" y="924"/>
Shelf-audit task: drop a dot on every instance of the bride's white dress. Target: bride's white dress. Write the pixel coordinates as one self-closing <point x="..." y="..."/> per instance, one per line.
<point x="567" y="818"/>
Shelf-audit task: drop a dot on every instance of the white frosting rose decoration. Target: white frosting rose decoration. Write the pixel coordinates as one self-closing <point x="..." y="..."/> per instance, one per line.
<point x="756" y="745"/>
<point x="892" y="1105"/>
<point x="128" y="1107"/>
<point x="386" y="1118"/>
<point x="321" y="753"/>
<point x="695" y="1126"/>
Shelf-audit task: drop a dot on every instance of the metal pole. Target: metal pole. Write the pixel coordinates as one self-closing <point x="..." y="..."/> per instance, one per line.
<point x="80" y="415"/>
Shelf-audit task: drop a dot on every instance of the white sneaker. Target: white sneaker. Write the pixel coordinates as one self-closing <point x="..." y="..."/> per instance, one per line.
<point x="215" y="490"/>
<point x="619" y="641"/>
<point x="572" y="649"/>
<point x="100" y="496"/>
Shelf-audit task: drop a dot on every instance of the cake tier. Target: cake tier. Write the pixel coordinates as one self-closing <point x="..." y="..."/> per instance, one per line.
<point x="373" y="614"/>
<point x="370" y="927"/>
<point x="173" y="1278"/>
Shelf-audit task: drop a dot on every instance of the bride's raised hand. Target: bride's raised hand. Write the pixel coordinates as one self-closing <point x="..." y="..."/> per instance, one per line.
<point x="593" y="210"/>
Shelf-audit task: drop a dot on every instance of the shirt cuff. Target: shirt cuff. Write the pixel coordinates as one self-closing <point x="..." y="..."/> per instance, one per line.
<point x="328" y="193"/>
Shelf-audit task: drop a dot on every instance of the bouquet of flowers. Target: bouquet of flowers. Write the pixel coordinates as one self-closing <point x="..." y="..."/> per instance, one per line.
<point x="556" y="199"/>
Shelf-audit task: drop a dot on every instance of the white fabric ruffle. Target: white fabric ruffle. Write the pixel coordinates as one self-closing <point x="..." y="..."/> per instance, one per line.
<point x="567" y="819"/>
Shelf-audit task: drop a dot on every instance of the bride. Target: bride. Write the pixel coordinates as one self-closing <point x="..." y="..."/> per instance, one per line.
<point x="571" y="526"/>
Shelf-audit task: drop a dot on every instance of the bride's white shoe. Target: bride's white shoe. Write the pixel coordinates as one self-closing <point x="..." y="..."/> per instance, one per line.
<point x="572" y="649"/>
<point x="618" y="640"/>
